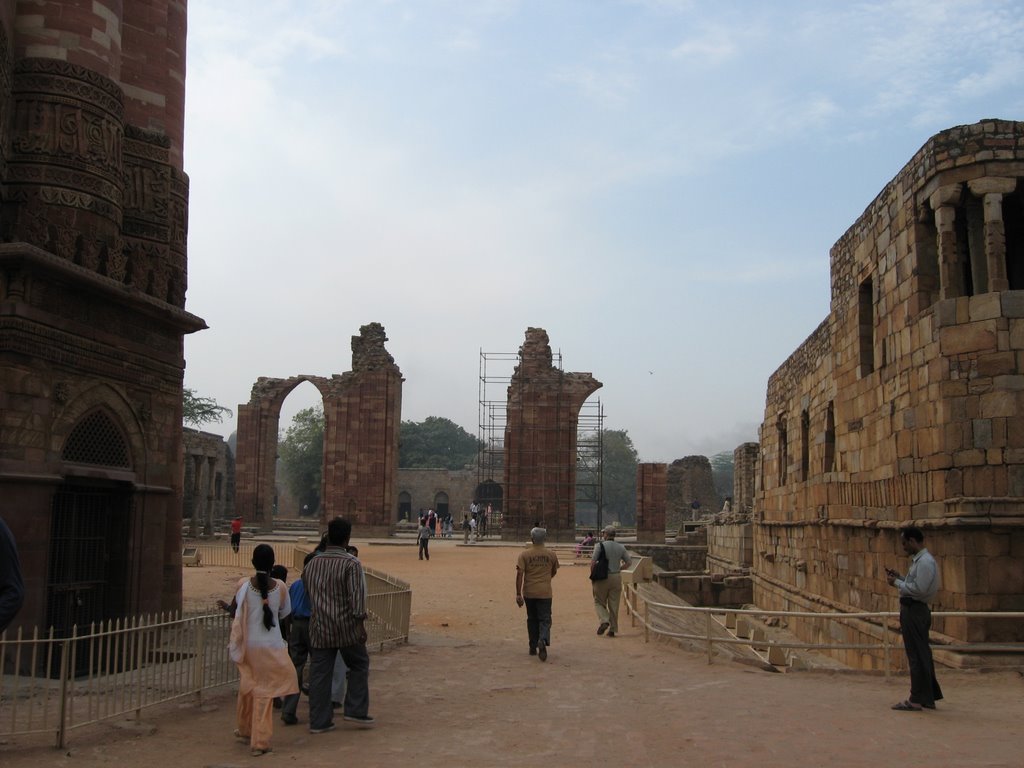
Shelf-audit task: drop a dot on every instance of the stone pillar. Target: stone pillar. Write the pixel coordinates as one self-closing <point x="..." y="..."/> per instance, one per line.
<point x="255" y="446"/>
<point x="363" y="413"/>
<point x="651" y="489"/>
<point x="542" y="409"/>
<point x="992" y="190"/>
<point x="943" y="202"/>
<point x="197" y="499"/>
<point x="211" y="468"/>
<point x="744" y="475"/>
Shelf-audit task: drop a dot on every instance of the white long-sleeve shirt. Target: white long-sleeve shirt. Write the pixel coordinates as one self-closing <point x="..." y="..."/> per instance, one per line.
<point x="922" y="580"/>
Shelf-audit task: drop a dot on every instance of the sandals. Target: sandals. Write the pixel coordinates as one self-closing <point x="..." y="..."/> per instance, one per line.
<point x="907" y="706"/>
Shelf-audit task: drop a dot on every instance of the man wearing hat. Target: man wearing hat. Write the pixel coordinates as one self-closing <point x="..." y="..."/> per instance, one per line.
<point x="535" y="568"/>
<point x="607" y="592"/>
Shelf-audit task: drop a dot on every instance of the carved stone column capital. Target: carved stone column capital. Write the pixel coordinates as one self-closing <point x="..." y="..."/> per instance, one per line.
<point x="946" y="196"/>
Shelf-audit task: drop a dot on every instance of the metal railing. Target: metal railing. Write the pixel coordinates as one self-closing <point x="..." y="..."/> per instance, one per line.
<point x="53" y="685"/>
<point x="651" y="614"/>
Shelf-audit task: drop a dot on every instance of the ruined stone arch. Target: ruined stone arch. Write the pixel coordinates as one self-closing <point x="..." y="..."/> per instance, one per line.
<point x="259" y="423"/>
<point x="362" y="414"/>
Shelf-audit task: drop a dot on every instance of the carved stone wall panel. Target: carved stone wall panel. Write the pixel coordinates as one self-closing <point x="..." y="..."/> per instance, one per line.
<point x="6" y="67"/>
<point x="65" y="167"/>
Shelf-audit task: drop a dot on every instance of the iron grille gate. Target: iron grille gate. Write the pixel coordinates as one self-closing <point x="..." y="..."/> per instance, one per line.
<point x="89" y="552"/>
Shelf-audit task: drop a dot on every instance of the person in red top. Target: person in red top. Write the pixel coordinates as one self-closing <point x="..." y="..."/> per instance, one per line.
<point x="236" y="532"/>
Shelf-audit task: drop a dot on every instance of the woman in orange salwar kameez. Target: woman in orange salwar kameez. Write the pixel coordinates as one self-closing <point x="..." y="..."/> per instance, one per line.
<point x="259" y="650"/>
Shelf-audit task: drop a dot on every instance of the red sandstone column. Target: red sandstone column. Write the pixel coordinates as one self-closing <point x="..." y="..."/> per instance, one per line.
<point x="540" y="442"/>
<point x="651" y="495"/>
<point x="363" y="410"/>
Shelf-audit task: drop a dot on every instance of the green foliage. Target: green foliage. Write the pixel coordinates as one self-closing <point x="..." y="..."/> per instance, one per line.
<point x="722" y="473"/>
<point x="435" y="443"/>
<point x="301" y="457"/>
<point x="197" y="411"/>
<point x="618" y="478"/>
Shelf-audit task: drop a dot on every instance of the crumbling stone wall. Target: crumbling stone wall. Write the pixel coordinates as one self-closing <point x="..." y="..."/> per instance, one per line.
<point x="540" y="442"/>
<point x="690" y="480"/>
<point x="904" y="405"/>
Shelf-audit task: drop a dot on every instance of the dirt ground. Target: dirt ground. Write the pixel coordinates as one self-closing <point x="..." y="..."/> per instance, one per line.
<point x="464" y="692"/>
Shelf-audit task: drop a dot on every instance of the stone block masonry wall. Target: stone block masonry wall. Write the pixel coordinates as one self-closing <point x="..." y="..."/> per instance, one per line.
<point x="424" y="485"/>
<point x="650" y="502"/>
<point x="730" y="547"/>
<point x="906" y="405"/>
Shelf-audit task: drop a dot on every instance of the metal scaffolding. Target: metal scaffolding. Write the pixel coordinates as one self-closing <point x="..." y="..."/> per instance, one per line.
<point x="496" y="369"/>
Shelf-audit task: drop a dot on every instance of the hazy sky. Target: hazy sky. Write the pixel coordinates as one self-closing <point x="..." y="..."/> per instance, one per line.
<point x="657" y="183"/>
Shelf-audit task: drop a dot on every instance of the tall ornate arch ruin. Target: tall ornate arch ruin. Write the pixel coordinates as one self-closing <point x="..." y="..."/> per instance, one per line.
<point x="362" y="415"/>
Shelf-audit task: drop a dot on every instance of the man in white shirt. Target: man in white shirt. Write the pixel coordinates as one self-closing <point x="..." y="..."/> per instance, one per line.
<point x="916" y="590"/>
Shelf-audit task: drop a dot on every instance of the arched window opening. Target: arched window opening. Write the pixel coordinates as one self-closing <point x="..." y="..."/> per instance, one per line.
<point x="441" y="504"/>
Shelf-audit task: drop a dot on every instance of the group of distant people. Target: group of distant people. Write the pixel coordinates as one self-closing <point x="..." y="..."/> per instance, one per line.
<point x="276" y="629"/>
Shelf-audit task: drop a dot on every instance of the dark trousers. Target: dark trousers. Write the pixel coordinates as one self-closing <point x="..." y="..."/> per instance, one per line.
<point x="915" y="621"/>
<point x="357" y="692"/>
<point x="298" y="650"/>
<point x="424" y="548"/>
<point x="538" y="620"/>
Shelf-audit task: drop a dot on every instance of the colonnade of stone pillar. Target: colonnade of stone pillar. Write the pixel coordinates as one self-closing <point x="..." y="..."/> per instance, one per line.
<point x="946" y="202"/>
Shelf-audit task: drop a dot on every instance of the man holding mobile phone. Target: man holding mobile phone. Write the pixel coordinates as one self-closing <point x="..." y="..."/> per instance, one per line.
<point x="916" y="590"/>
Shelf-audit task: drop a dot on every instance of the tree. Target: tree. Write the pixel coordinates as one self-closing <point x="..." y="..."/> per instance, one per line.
<point x="435" y="443"/>
<point x="618" y="478"/>
<point x="722" y="473"/>
<point x="197" y="410"/>
<point x="301" y="457"/>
